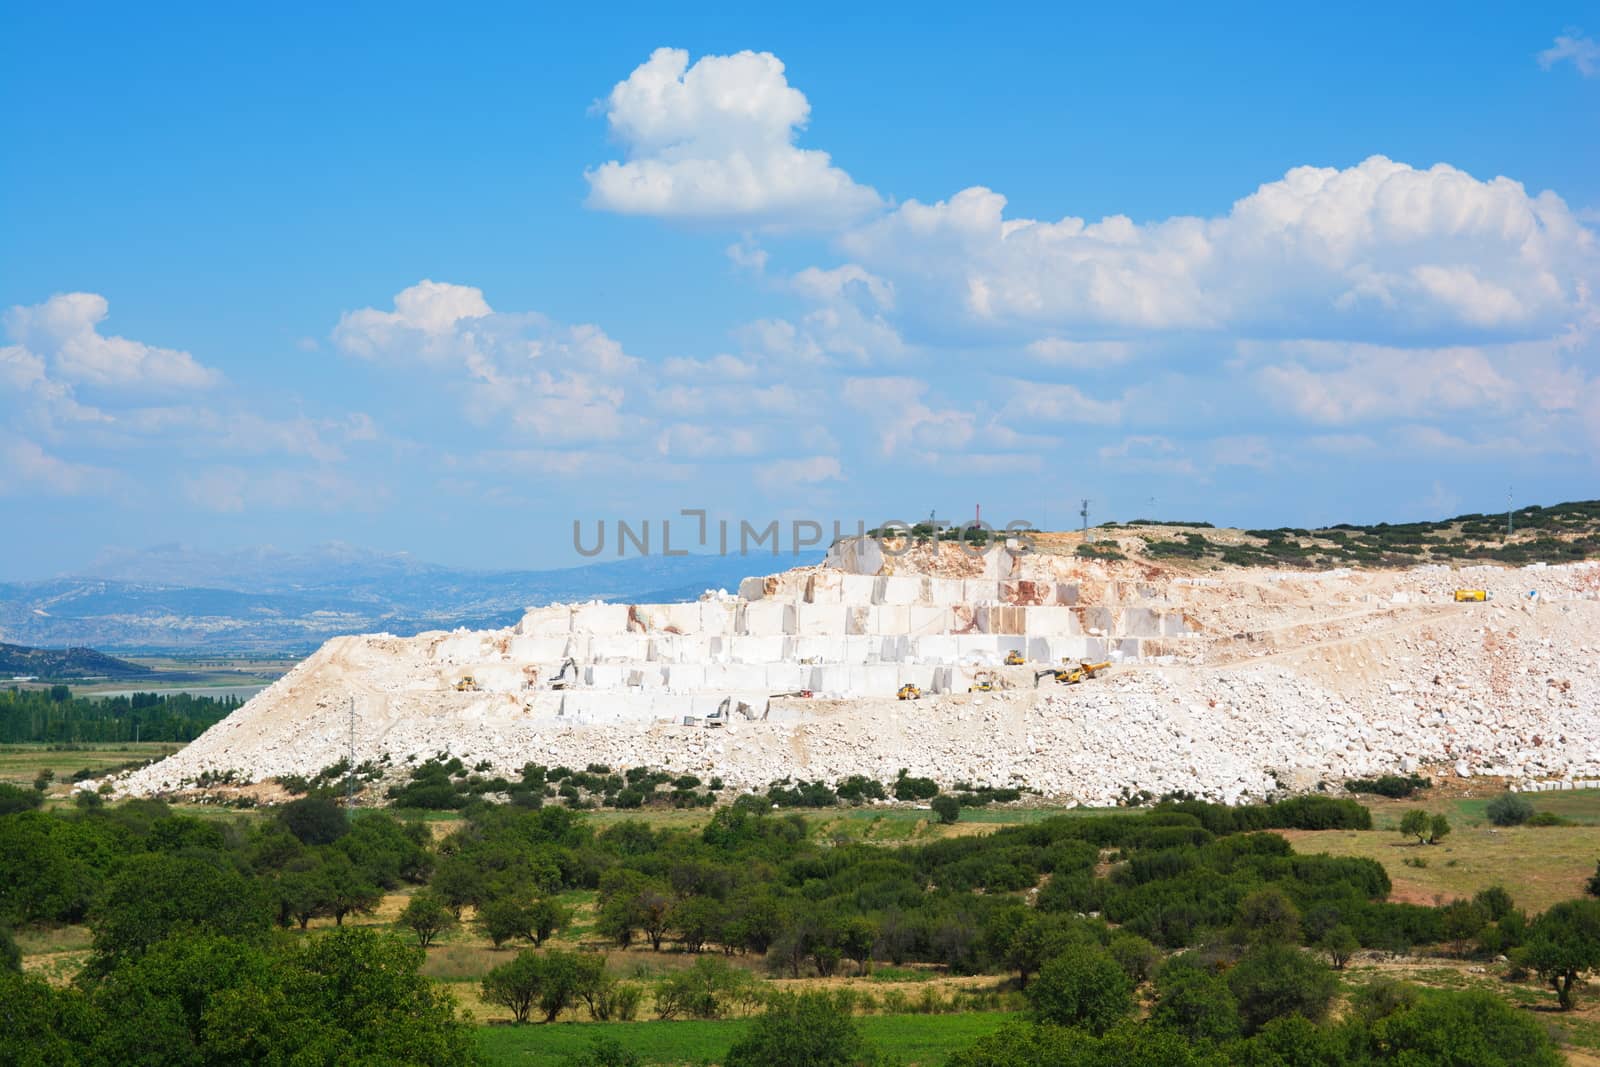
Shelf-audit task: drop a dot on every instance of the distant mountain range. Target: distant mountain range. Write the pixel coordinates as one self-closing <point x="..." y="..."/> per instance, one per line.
<point x="173" y="599"/>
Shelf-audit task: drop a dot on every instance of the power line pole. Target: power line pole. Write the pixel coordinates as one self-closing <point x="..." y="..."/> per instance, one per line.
<point x="350" y="758"/>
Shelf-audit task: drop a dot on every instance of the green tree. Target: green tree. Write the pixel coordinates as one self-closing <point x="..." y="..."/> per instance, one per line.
<point x="1024" y="939"/>
<point x="43" y="1026"/>
<point x="1268" y="917"/>
<point x="857" y="937"/>
<point x="1415" y="823"/>
<point x="514" y="985"/>
<point x="427" y="916"/>
<point x="946" y="807"/>
<point x="1438" y="828"/>
<point x="346" y="890"/>
<point x="548" y="915"/>
<point x="343" y="991"/>
<point x="1563" y="943"/>
<point x="1471" y="1028"/>
<point x="1196" y="1003"/>
<point x="1081" y="987"/>
<point x="696" y="921"/>
<point x="505" y="919"/>
<point x="315" y="820"/>
<point x="1277" y="980"/>
<point x="707" y="990"/>
<point x="14" y="799"/>
<point x="551" y="981"/>
<point x="803" y="1030"/>
<point x="10" y="954"/>
<point x="156" y="895"/>
<point x="1340" y="943"/>
<point x="1137" y="957"/>
<point x="460" y="883"/>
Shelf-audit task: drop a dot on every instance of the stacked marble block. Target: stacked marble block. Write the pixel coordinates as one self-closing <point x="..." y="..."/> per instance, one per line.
<point x="836" y="634"/>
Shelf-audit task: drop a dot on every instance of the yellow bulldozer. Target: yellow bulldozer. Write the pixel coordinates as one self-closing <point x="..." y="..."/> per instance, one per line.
<point x="982" y="682"/>
<point x="910" y="692"/>
<point x="467" y="685"/>
<point x="1014" y="658"/>
<point x="1073" y="675"/>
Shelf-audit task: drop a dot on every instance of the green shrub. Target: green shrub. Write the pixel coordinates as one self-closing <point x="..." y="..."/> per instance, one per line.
<point x="1509" y="809"/>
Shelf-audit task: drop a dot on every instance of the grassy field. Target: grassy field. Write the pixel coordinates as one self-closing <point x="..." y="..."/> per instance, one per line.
<point x="19" y="764"/>
<point x="912" y="1040"/>
<point x="1539" y="865"/>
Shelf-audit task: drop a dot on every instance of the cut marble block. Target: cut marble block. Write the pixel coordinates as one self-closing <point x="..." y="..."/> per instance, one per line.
<point x="980" y="591"/>
<point x="538" y="649"/>
<point x="749" y="649"/>
<point x="820" y="619"/>
<point x="550" y="621"/>
<point x="763" y="618"/>
<point x="1049" y="621"/>
<point x="895" y="589"/>
<point x="615" y="646"/>
<point x="1001" y="619"/>
<point x="685" y="676"/>
<point x="819" y="649"/>
<point x="604" y="675"/>
<point x="933" y="648"/>
<point x="601" y="618"/>
<point x="718" y="616"/>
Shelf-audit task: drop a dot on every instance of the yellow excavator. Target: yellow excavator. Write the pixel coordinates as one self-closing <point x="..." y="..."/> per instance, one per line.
<point x="910" y="692"/>
<point x="1014" y="659"/>
<point x="467" y="685"/>
<point x="1073" y="675"/>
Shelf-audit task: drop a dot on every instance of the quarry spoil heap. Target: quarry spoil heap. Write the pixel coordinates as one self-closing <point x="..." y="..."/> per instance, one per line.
<point x="1227" y="683"/>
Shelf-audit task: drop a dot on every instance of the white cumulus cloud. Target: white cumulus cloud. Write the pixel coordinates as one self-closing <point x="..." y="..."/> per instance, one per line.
<point x="64" y="333"/>
<point x="1377" y="249"/>
<point x="552" y="381"/>
<point x="715" y="141"/>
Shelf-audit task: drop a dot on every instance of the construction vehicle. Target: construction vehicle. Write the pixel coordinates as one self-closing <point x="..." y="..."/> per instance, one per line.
<point x="1475" y="596"/>
<point x="982" y="682"/>
<point x="467" y="684"/>
<point x="561" y="681"/>
<point x="792" y="693"/>
<point x="1014" y="659"/>
<point x="909" y="692"/>
<point x="1072" y="675"/>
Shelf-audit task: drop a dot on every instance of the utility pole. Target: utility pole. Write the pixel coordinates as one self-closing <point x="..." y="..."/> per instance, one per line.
<point x="350" y="774"/>
<point x="1083" y="514"/>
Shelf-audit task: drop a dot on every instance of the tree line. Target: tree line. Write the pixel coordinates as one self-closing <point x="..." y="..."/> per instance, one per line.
<point x="55" y="716"/>
<point x="1197" y="908"/>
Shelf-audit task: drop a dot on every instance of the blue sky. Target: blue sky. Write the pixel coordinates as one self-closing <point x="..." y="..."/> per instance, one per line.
<point x="444" y="281"/>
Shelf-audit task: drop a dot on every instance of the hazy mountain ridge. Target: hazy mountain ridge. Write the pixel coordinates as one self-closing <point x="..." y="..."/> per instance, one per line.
<point x="173" y="599"/>
<point x="65" y="663"/>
